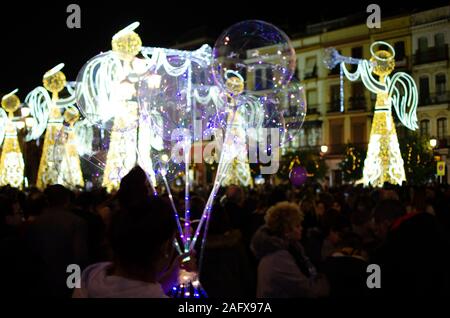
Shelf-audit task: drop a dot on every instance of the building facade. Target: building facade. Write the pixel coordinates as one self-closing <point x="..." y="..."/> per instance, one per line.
<point x="421" y="44"/>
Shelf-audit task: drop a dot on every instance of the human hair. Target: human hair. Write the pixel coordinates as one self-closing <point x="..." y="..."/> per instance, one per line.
<point x="133" y="187"/>
<point x="388" y="210"/>
<point x="282" y="217"/>
<point x="57" y="195"/>
<point x="138" y="234"/>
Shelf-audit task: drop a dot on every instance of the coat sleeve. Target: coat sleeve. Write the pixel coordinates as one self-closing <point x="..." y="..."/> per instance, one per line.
<point x="283" y="278"/>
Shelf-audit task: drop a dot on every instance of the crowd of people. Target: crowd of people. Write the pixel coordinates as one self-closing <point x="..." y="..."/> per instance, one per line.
<point x="269" y="242"/>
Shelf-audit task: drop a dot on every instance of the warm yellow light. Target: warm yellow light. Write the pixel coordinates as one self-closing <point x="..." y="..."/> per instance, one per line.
<point x="154" y="81"/>
<point x="20" y="124"/>
<point x="323" y="149"/>
<point x="25" y="111"/>
<point x="433" y="142"/>
<point x="164" y="158"/>
<point x="29" y="122"/>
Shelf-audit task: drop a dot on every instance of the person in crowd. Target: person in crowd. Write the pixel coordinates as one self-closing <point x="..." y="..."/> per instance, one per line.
<point x="284" y="270"/>
<point x="346" y="268"/>
<point x="225" y="253"/>
<point x="144" y="263"/>
<point x="413" y="255"/>
<point x="59" y="237"/>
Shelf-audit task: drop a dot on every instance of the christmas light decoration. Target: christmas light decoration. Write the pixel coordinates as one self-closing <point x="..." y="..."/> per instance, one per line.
<point x="384" y="162"/>
<point x="47" y="112"/>
<point x="66" y="156"/>
<point x="11" y="160"/>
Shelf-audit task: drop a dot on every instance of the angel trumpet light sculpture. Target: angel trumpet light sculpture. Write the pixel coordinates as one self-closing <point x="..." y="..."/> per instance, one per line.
<point x="106" y="94"/>
<point x="11" y="161"/>
<point x="47" y="112"/>
<point x="384" y="162"/>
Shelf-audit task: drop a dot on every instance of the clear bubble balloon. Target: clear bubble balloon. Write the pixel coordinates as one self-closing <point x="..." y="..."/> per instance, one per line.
<point x="180" y="104"/>
<point x="259" y="52"/>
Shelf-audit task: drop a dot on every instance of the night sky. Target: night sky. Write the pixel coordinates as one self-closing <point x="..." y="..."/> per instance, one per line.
<point x="35" y="36"/>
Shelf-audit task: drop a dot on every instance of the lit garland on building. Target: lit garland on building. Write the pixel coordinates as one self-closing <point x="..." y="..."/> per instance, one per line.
<point x="11" y="160"/>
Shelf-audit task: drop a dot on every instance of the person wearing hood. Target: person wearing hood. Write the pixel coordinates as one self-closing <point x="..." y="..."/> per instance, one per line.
<point x="284" y="270"/>
<point x="144" y="265"/>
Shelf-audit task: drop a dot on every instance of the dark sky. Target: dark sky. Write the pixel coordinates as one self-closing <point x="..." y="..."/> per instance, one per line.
<point x="34" y="36"/>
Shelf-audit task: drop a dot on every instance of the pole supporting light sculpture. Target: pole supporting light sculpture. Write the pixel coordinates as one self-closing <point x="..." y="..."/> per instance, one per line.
<point x="384" y="162"/>
<point x="11" y="160"/>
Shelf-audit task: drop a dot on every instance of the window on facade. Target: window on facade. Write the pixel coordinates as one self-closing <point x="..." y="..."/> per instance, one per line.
<point x="310" y="67"/>
<point x="357" y="53"/>
<point x="311" y="99"/>
<point x="422" y="44"/>
<point x="335" y="96"/>
<point x="425" y="127"/>
<point x="424" y="93"/>
<point x="336" y="133"/>
<point x="399" y="48"/>
<point x="269" y="78"/>
<point x="442" y="128"/>
<point x="440" y="84"/>
<point x="259" y="79"/>
<point x="357" y="100"/>
<point x="359" y="132"/>
<point x="439" y="40"/>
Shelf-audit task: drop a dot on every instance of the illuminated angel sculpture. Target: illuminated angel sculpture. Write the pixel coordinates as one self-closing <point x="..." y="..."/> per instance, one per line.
<point x="66" y="157"/>
<point x="384" y="162"/>
<point x="11" y="161"/>
<point x="238" y="172"/>
<point x="48" y="114"/>
<point x="106" y="92"/>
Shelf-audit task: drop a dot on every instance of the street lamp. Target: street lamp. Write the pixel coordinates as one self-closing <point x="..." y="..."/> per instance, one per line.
<point x="433" y="142"/>
<point x="323" y="149"/>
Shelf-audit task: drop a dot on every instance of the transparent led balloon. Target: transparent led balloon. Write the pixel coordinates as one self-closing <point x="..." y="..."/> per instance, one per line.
<point x="258" y="51"/>
<point x="180" y="108"/>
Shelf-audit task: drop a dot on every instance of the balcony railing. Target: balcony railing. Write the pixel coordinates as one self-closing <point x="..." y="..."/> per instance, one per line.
<point x="334" y="71"/>
<point x="312" y="109"/>
<point x="432" y="54"/>
<point x="434" y="99"/>
<point x="334" y="106"/>
<point x="339" y="149"/>
<point x="443" y="142"/>
<point x="312" y="74"/>
<point x="401" y="63"/>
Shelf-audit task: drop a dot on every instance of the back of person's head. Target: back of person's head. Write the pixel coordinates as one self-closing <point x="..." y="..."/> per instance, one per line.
<point x="235" y="194"/>
<point x="6" y="208"/>
<point x="281" y="217"/>
<point x="134" y="187"/>
<point x="277" y="195"/>
<point x="35" y="204"/>
<point x="197" y="205"/>
<point x="57" y="196"/>
<point x="139" y="235"/>
<point x="388" y="210"/>
<point x="219" y="220"/>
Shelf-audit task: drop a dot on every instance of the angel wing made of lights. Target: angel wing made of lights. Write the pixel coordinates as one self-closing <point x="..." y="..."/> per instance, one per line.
<point x="95" y="90"/>
<point x="402" y="91"/>
<point x="39" y="100"/>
